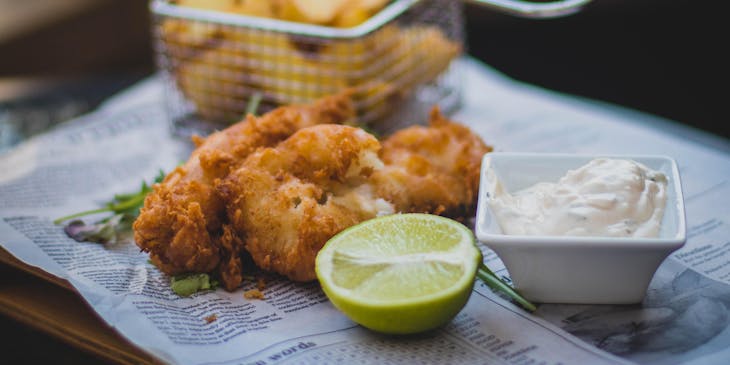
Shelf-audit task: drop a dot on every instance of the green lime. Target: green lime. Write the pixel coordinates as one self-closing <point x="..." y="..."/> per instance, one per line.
<point x="401" y="273"/>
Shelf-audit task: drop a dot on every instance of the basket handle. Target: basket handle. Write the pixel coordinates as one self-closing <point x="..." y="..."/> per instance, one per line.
<point x="528" y="9"/>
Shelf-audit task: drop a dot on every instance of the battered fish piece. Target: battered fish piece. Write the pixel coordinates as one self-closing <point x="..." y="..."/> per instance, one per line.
<point x="288" y="200"/>
<point x="278" y="187"/>
<point x="183" y="224"/>
<point x="432" y="169"/>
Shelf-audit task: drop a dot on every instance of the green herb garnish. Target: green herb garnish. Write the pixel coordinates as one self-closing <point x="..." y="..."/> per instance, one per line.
<point x="494" y="282"/>
<point x="186" y="285"/>
<point x="110" y="229"/>
<point x="253" y="104"/>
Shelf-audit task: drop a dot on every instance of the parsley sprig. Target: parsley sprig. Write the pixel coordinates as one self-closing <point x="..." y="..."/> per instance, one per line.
<point x="493" y="281"/>
<point x="125" y="209"/>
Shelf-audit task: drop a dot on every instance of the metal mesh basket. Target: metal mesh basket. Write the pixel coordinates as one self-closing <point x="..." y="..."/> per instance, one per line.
<point x="215" y="63"/>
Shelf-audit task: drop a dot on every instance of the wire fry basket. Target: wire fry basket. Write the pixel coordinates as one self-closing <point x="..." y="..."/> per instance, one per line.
<point x="400" y="59"/>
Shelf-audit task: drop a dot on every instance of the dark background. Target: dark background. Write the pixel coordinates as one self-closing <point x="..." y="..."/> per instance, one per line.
<point x="660" y="57"/>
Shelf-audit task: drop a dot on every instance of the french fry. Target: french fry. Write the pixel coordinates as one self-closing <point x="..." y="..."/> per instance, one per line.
<point x="351" y="16"/>
<point x="260" y="8"/>
<point x="320" y="12"/>
<point x="218" y="5"/>
<point x="372" y="6"/>
<point x="218" y="68"/>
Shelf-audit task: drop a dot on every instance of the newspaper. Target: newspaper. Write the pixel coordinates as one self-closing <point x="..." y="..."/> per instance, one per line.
<point x="684" y="318"/>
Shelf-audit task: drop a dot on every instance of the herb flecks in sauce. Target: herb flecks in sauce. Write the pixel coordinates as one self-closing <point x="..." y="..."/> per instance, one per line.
<point x="605" y="197"/>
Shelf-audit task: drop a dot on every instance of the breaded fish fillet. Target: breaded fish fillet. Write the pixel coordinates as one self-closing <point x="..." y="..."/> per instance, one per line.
<point x="432" y="169"/>
<point x="183" y="222"/>
<point x="279" y="186"/>
<point x="288" y="200"/>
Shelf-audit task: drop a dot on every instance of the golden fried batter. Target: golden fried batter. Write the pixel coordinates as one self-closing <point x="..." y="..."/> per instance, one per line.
<point x="182" y="223"/>
<point x="278" y="187"/>
<point x="288" y="200"/>
<point x="432" y="169"/>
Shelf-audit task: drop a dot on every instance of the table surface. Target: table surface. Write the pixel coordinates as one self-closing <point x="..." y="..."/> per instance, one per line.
<point x="26" y="342"/>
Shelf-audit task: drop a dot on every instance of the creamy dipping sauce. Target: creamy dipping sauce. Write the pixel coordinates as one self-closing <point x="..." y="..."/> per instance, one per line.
<point x="606" y="197"/>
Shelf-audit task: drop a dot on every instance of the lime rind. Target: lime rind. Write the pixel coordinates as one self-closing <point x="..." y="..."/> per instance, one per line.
<point x="379" y="261"/>
<point x="455" y="245"/>
<point x="406" y="316"/>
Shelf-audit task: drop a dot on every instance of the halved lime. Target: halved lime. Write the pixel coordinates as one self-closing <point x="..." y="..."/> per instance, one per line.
<point x="401" y="273"/>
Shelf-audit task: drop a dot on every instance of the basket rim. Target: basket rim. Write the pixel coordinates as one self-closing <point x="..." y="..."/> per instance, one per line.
<point x="384" y="16"/>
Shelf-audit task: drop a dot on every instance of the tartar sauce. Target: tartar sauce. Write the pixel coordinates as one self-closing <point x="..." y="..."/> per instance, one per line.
<point x="606" y="197"/>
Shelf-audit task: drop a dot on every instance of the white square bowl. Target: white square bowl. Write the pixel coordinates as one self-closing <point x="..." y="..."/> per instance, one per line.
<point x="588" y="270"/>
